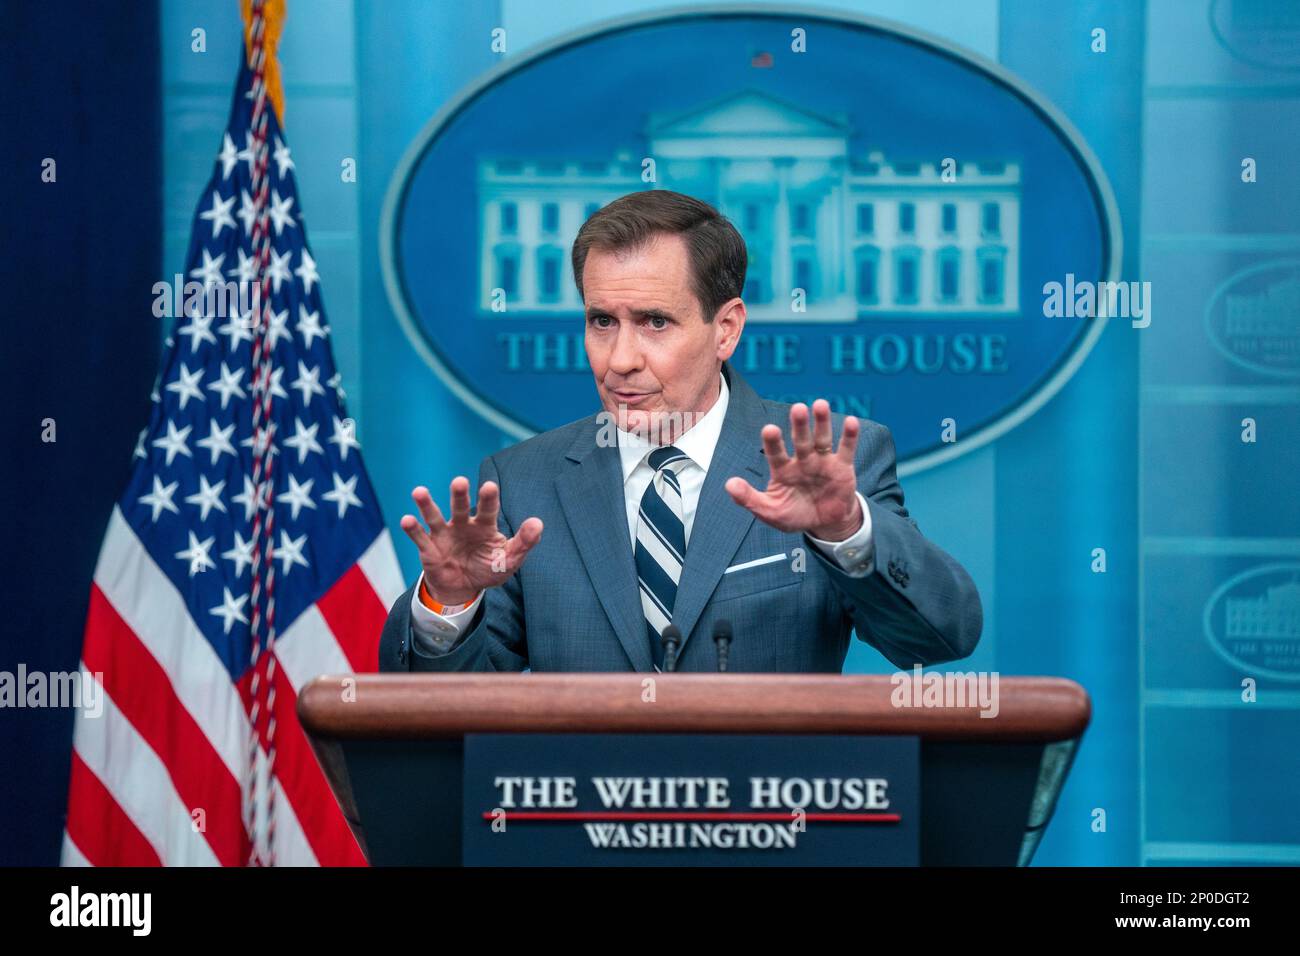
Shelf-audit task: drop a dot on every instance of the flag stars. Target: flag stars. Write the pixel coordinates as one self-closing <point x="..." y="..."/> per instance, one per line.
<point x="290" y="551"/>
<point x="304" y="439"/>
<point x="344" y="494"/>
<point x="247" y="211"/>
<point x="228" y="156"/>
<point x="160" y="499"/>
<point x="261" y="440"/>
<point x="281" y="155"/>
<point x="207" y="497"/>
<point x="209" y="272"/>
<point x="309" y="326"/>
<point x="278" y="270"/>
<point x="219" y="213"/>
<point x="228" y="386"/>
<point x="218" y="442"/>
<point x="241" y="554"/>
<point x="336" y="382"/>
<point x="238" y="327"/>
<point x="344" y="436"/>
<point x="139" y="443"/>
<point x="199" y="330"/>
<point x="174" y="442"/>
<point x="298" y="496"/>
<point x="276" y="389"/>
<point x="246" y="271"/>
<point x="197" y="554"/>
<point x="249" y="153"/>
<point x="248" y="498"/>
<point x="230" y="610"/>
<point x="279" y="211"/>
<point x="279" y="328"/>
<point x="186" y="386"/>
<point x="308" y="382"/>
<point x="307" y="273"/>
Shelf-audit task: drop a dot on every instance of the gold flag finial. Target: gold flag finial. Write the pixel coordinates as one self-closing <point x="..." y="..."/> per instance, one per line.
<point x="272" y="24"/>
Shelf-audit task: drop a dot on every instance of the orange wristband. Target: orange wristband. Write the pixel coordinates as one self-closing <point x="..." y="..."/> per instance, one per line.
<point x="427" y="600"/>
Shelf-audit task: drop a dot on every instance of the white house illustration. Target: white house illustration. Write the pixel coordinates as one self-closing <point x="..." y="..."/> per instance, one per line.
<point x="861" y="237"/>
<point x="1270" y="312"/>
<point x="1275" y="615"/>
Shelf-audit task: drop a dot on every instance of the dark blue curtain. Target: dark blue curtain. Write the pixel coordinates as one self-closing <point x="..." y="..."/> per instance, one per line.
<point x="80" y="84"/>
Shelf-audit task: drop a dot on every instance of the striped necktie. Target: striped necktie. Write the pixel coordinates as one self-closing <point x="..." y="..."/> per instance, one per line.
<point x="660" y="544"/>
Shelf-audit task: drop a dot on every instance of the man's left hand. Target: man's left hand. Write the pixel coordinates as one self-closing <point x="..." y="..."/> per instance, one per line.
<point x="816" y="490"/>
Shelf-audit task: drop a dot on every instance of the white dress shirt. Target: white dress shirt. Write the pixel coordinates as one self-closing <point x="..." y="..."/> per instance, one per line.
<point x="436" y="634"/>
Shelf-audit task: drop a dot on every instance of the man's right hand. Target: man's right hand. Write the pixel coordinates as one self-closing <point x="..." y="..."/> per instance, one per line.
<point x="463" y="556"/>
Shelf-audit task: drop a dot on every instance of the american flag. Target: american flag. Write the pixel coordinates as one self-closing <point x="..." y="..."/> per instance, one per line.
<point x="212" y="602"/>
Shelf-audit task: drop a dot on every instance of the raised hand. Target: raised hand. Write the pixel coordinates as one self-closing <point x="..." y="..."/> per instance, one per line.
<point x="816" y="490"/>
<point x="463" y="556"/>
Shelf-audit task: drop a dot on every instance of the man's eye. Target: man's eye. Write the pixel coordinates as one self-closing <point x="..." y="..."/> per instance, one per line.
<point x="599" y="321"/>
<point x="658" y="322"/>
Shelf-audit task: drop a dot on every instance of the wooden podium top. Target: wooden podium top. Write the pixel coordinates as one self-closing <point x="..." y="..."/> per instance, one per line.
<point x="424" y="706"/>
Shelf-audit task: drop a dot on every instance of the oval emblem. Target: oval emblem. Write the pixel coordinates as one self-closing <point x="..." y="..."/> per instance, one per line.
<point x="1253" y="318"/>
<point x="1262" y="34"/>
<point x="904" y="204"/>
<point x="1253" y="621"/>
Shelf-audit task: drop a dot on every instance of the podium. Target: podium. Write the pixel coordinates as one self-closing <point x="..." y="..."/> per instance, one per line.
<point x="393" y="746"/>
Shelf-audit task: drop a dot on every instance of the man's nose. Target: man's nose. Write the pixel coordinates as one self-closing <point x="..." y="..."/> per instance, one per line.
<point x="626" y="355"/>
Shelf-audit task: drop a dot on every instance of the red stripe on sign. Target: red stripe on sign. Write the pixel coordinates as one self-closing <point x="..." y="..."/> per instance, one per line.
<point x="578" y="816"/>
<point x="356" y="616"/>
<point x="141" y="690"/>
<point x="305" y="785"/>
<point x="96" y="824"/>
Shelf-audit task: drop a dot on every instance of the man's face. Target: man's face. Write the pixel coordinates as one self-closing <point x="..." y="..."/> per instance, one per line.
<point x="648" y="345"/>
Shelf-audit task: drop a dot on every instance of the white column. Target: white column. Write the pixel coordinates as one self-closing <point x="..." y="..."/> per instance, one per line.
<point x="781" y="281"/>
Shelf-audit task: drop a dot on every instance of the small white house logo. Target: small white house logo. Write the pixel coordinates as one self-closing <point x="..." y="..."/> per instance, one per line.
<point x="1253" y="621"/>
<point x="1254" y="318"/>
<point x="1263" y="33"/>
<point x="75" y="908"/>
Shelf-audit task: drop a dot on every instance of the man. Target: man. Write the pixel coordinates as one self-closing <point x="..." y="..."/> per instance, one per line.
<point x="680" y="502"/>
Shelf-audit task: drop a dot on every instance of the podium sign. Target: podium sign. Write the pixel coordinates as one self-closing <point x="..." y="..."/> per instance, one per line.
<point x="691" y="799"/>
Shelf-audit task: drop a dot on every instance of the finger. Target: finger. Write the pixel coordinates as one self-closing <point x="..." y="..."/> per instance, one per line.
<point x="748" y="497"/>
<point x="428" y="509"/>
<point x="525" y="539"/>
<point x="774" y="446"/>
<point x="821" y="410"/>
<point x="415" y="531"/>
<point x="489" y="504"/>
<point x="800" y="433"/>
<point x="849" y="435"/>
<point x="459" y="499"/>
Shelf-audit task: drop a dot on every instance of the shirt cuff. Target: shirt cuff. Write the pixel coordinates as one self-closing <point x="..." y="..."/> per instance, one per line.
<point x="856" y="555"/>
<point x="435" y="634"/>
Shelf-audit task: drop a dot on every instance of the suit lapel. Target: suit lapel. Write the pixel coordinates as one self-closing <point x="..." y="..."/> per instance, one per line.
<point x="590" y="489"/>
<point x="720" y="524"/>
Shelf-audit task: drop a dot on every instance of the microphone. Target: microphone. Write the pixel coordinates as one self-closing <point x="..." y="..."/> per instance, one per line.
<point x="672" y="640"/>
<point x="722" y="638"/>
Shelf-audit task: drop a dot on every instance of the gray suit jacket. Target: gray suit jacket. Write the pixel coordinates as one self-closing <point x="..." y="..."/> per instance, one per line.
<point x="574" y="605"/>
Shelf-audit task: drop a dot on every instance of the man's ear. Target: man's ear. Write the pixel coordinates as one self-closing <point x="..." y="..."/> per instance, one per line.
<point x="730" y="322"/>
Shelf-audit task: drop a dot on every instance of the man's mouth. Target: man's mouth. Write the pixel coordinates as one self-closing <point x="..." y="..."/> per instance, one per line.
<point x="629" y="398"/>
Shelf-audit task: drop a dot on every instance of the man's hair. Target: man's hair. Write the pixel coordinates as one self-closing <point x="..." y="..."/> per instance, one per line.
<point x="717" y="252"/>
